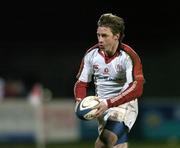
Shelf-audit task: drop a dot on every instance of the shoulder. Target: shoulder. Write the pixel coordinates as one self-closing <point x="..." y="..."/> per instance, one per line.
<point x="130" y="51"/>
<point x="92" y="50"/>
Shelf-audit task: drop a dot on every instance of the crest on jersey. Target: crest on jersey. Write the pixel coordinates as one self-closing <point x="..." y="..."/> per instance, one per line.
<point x="106" y="70"/>
<point x="118" y="67"/>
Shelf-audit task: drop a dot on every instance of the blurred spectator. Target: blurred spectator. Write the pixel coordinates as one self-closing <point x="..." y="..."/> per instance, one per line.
<point x="39" y="94"/>
<point x="14" y="88"/>
<point x="36" y="94"/>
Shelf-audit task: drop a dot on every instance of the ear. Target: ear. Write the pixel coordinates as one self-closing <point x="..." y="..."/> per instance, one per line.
<point x="117" y="36"/>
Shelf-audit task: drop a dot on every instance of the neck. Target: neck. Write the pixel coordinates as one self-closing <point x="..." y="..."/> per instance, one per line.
<point x="113" y="49"/>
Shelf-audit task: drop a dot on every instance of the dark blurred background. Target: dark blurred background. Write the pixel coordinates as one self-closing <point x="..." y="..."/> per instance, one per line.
<point x="44" y="42"/>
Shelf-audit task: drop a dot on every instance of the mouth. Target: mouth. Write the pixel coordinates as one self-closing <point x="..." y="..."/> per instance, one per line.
<point x="101" y="46"/>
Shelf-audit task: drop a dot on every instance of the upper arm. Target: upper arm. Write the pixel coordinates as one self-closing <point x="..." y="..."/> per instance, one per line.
<point x="86" y="71"/>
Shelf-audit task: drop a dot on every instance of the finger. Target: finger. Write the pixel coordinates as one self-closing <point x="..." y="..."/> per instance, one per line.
<point x="98" y="113"/>
<point x="78" y="99"/>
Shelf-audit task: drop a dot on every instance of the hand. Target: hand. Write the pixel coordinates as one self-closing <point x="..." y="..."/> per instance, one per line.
<point x="77" y="102"/>
<point x="101" y="108"/>
<point x="78" y="99"/>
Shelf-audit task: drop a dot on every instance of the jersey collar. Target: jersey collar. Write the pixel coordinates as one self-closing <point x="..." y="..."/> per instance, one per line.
<point x="107" y="58"/>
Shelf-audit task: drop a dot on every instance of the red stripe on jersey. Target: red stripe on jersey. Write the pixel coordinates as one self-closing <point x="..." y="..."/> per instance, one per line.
<point x="82" y="61"/>
<point x="80" y="89"/>
<point x="95" y="46"/>
<point x="135" y="89"/>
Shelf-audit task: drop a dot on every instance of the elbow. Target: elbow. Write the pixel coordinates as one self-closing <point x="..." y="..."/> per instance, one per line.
<point x="140" y="88"/>
<point x="140" y="91"/>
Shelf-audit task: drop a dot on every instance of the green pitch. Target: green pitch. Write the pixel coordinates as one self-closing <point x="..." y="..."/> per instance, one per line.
<point x="131" y="145"/>
<point x="91" y="145"/>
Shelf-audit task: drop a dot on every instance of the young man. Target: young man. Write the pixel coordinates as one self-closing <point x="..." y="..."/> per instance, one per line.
<point x="118" y="78"/>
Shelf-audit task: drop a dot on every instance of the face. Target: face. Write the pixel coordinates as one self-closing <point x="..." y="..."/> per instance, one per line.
<point x="107" y="41"/>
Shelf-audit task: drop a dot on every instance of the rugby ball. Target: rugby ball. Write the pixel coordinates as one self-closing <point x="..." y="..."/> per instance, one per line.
<point x="85" y="108"/>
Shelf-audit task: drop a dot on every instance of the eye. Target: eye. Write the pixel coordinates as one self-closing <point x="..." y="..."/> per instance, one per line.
<point x="104" y="35"/>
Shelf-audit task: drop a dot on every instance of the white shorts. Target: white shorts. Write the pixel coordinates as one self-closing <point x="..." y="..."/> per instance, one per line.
<point x="126" y="113"/>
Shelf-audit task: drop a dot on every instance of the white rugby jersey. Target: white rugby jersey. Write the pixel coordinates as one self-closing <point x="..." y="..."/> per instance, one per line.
<point x="112" y="76"/>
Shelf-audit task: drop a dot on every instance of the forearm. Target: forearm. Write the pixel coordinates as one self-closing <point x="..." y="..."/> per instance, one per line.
<point x="134" y="91"/>
<point x="80" y="90"/>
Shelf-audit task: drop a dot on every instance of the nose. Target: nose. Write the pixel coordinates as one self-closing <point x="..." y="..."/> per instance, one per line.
<point x="100" y="39"/>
